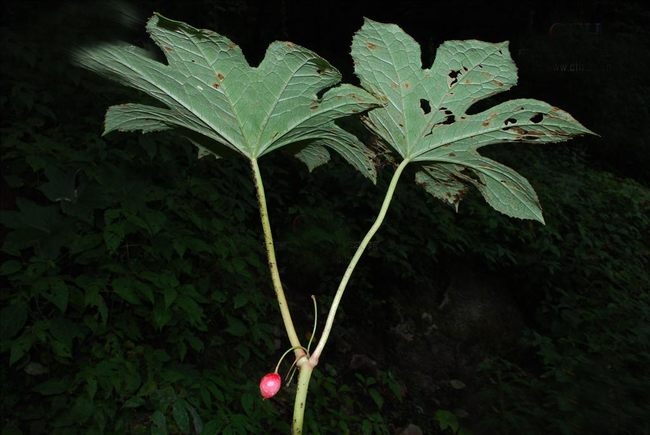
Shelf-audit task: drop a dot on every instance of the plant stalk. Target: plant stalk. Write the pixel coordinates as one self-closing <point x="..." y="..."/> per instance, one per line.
<point x="306" y="368"/>
<point x="273" y="265"/>
<point x="353" y="262"/>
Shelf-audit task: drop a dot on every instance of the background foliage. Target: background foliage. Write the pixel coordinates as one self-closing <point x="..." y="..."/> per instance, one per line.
<point x="134" y="298"/>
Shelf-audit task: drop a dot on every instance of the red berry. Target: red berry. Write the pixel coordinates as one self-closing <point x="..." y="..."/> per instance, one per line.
<point x="270" y="385"/>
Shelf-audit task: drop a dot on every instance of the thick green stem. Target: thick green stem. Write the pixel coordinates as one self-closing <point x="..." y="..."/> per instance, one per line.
<point x="353" y="262"/>
<point x="273" y="265"/>
<point x="306" y="362"/>
<point x="306" y="369"/>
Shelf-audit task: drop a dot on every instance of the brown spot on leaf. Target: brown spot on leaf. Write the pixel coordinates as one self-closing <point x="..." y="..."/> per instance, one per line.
<point x="523" y="133"/>
<point x="216" y="85"/>
<point x="517" y="130"/>
<point x="452" y="154"/>
<point x="168" y="48"/>
<point x="220" y="76"/>
<point x="497" y="83"/>
<point x="371" y="46"/>
<point x="289" y="44"/>
<point x="488" y="120"/>
<point x="407" y="85"/>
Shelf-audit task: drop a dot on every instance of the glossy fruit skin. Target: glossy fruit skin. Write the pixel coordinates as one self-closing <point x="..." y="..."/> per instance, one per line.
<point x="270" y="385"/>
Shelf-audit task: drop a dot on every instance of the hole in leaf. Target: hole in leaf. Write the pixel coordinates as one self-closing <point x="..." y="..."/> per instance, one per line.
<point x="510" y="121"/>
<point x="453" y="75"/>
<point x="537" y="118"/>
<point x="450" y="119"/>
<point x="469" y="174"/>
<point x="425" y="106"/>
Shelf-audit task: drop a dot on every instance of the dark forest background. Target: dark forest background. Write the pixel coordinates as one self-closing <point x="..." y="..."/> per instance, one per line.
<point x="134" y="296"/>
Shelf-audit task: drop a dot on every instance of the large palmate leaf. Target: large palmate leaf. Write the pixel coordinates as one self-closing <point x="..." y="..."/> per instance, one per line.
<point x="215" y="98"/>
<point x="425" y="115"/>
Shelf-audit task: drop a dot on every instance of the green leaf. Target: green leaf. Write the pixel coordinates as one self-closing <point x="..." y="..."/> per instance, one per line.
<point x="161" y="279"/>
<point x="236" y="327"/>
<point x="134" y="402"/>
<point x="61" y="186"/>
<point x="40" y="227"/>
<point x="197" y="422"/>
<point x="126" y="288"/>
<point x="248" y="403"/>
<point x="52" y="387"/>
<point x="92" y="294"/>
<point x="11" y="429"/>
<point x="208" y="89"/>
<point x="503" y="188"/>
<point x="169" y="296"/>
<point x="12" y="319"/>
<point x="313" y="155"/>
<point x="58" y="294"/>
<point x="19" y="347"/>
<point x="10" y="267"/>
<point x="193" y="311"/>
<point x="161" y="315"/>
<point x="376" y="397"/>
<point x="425" y="117"/>
<point x="212" y="427"/>
<point x="63" y="333"/>
<point x="159" y="423"/>
<point x="181" y="417"/>
<point x="114" y="235"/>
<point x="446" y="420"/>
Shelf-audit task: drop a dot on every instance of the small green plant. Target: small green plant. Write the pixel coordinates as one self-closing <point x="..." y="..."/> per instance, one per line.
<point x="291" y="100"/>
<point x="448" y="422"/>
